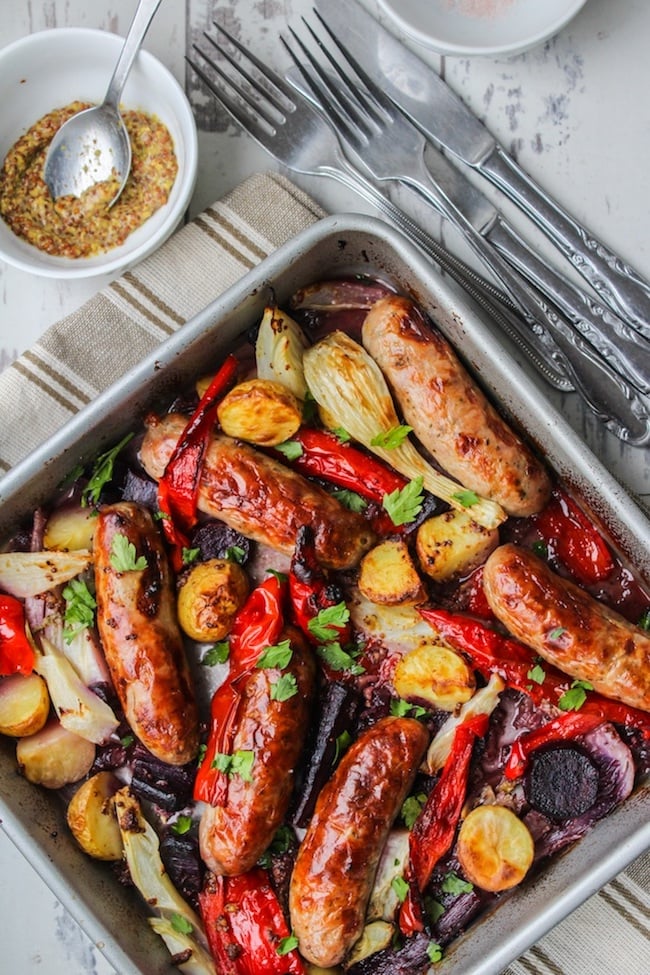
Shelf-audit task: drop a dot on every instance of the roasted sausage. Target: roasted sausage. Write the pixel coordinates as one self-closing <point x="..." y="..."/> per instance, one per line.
<point x="262" y="498"/>
<point x="337" y="860"/>
<point x="449" y="414"/>
<point x="136" y="618"/>
<point x="232" y="837"/>
<point x="568" y="627"/>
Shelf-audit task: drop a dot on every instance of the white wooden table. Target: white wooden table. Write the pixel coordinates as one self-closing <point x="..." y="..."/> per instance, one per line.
<point x="574" y="112"/>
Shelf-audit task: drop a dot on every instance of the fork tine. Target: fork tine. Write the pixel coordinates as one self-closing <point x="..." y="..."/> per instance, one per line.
<point x="325" y="92"/>
<point x="245" y="119"/>
<point x="274" y="79"/>
<point x="371" y="88"/>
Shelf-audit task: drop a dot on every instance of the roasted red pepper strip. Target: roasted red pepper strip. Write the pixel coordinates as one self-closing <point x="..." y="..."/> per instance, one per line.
<point x="570" y="535"/>
<point x="179" y="485"/>
<point x="257" y="626"/>
<point x="492" y="653"/>
<point x="310" y="591"/>
<point x="565" y="727"/>
<point x="434" y="830"/>
<point x="245" y="926"/>
<point x="16" y="652"/>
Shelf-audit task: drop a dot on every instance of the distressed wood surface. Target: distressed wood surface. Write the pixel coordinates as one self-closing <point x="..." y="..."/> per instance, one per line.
<point x="573" y="111"/>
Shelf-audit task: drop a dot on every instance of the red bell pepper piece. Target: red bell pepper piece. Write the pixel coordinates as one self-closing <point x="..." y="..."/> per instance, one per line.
<point x="435" y="828"/>
<point x="16" y="652"/>
<point x="323" y="455"/>
<point x="565" y="727"/>
<point x="570" y="535"/>
<point x="258" y="625"/>
<point x="245" y="926"/>
<point x="178" y="487"/>
<point x="310" y="590"/>
<point x="492" y="653"/>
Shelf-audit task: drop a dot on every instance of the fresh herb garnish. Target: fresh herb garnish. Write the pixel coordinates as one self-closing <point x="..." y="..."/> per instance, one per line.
<point x="339" y="659"/>
<point x="285" y="945"/>
<point x="557" y="633"/>
<point x="537" y="674"/>
<point x="276" y="656"/>
<point x="575" y="697"/>
<point x="434" y="952"/>
<point x="235" y="553"/>
<point x="403" y="505"/>
<point x="325" y="626"/>
<point x="239" y="763"/>
<point x="341" y="434"/>
<point x="190" y="555"/>
<point x="541" y="549"/>
<point x="453" y="884"/>
<point x="181" y="924"/>
<point x="284" y="688"/>
<point x="218" y="654"/>
<point x="434" y="909"/>
<point x="399" y="708"/>
<point x="390" y="439"/>
<point x="400" y="887"/>
<point x="412" y="807"/>
<point x="291" y="449"/>
<point x="102" y="472"/>
<point x="466" y="498"/>
<point x="123" y="555"/>
<point x="342" y="744"/>
<point x="644" y="622"/>
<point x="80" y="608"/>
<point x="182" y="825"/>
<point x="350" y="500"/>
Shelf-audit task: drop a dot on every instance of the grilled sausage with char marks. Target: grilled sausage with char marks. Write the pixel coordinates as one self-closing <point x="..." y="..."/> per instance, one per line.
<point x="337" y="860"/>
<point x="568" y="627"/>
<point x="136" y="618"/>
<point x="262" y="498"/>
<point x="449" y="414"/>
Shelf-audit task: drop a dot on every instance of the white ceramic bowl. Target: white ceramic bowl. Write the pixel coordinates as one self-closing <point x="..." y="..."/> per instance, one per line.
<point x="52" y="68"/>
<point x="470" y="28"/>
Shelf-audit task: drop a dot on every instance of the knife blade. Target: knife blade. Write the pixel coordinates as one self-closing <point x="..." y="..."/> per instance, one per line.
<point x="444" y="118"/>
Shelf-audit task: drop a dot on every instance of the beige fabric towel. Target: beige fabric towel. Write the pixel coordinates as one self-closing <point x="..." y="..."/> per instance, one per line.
<point x="85" y="352"/>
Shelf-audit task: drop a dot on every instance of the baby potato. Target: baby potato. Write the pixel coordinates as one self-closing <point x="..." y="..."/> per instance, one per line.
<point x="260" y="411"/>
<point x="453" y="543"/>
<point x="70" y="528"/>
<point x="92" y="819"/>
<point x="495" y="849"/>
<point x="209" y="596"/>
<point x="436" y="674"/>
<point x="387" y="575"/>
<point x="24" y="704"/>
<point x="54" y="757"/>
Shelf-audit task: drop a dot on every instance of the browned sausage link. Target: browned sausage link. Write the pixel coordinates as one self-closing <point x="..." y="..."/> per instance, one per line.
<point x="568" y="627"/>
<point x="262" y="498"/>
<point x="337" y="860"/>
<point x="136" y="616"/>
<point x="233" y="837"/>
<point x="449" y="414"/>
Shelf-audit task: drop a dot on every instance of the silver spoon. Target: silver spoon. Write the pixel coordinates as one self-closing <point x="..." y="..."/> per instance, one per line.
<point x="94" y="146"/>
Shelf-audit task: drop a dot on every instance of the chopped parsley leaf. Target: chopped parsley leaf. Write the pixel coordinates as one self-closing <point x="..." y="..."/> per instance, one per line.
<point x="123" y="555"/>
<point x="284" y="688"/>
<point x="537" y="674"/>
<point x="182" y="825"/>
<point x="325" y="626"/>
<point x="291" y="449"/>
<point x="466" y="497"/>
<point x="404" y="504"/>
<point x="80" y="608"/>
<point x="411" y="808"/>
<point x="239" y="763"/>
<point x="181" y="924"/>
<point x="453" y="884"/>
<point x="575" y="697"/>
<point x="390" y="439"/>
<point x="339" y="659"/>
<point x="102" y="472"/>
<point x="350" y="500"/>
<point x="400" y="887"/>
<point x="276" y="656"/>
<point x="218" y="654"/>
<point x="434" y="952"/>
<point x="285" y="945"/>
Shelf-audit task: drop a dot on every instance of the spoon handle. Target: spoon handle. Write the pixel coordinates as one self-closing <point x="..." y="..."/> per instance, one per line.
<point x="139" y="26"/>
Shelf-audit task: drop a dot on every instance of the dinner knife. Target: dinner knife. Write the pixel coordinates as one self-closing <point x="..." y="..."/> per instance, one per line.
<point x="432" y="105"/>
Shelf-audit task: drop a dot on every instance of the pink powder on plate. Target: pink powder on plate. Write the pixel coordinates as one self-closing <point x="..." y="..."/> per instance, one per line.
<point x="479" y="8"/>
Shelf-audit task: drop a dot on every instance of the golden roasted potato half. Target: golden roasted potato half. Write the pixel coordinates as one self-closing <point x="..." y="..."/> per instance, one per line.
<point x="209" y="596"/>
<point x="388" y="576"/>
<point x="92" y="819"/>
<point x="495" y="849"/>
<point x="436" y="674"/>
<point x="24" y="704"/>
<point x="453" y="543"/>
<point x="260" y="411"/>
<point x="54" y="757"/>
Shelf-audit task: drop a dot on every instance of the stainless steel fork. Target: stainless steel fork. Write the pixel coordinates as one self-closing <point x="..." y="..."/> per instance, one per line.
<point x="298" y="137"/>
<point x="391" y="148"/>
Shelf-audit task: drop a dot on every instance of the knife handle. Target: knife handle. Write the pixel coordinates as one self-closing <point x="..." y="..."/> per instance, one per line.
<point x="618" y="285"/>
<point x="625" y="349"/>
<point x="618" y="405"/>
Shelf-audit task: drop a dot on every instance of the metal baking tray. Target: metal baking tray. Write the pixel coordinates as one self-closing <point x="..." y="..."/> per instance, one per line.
<point x="113" y="917"/>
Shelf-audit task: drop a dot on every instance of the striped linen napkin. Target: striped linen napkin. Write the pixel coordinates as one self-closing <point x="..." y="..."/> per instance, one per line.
<point x="610" y="933"/>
